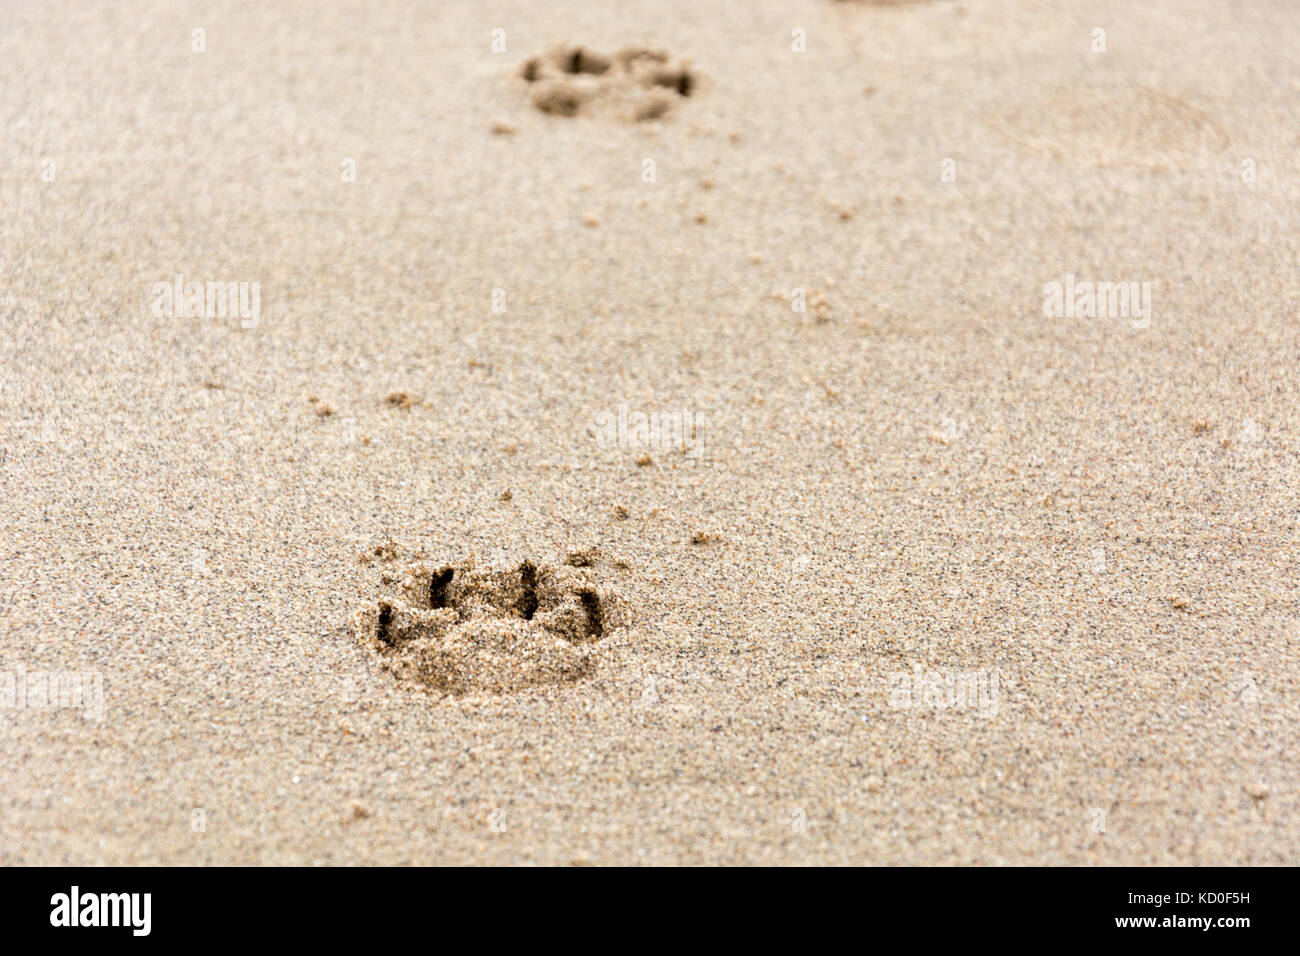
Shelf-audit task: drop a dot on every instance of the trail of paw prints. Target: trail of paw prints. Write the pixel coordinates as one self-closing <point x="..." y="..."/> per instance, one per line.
<point x="466" y="628"/>
<point x="635" y="84"/>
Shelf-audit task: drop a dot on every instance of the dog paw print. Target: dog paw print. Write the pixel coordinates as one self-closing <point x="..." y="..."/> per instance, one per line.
<point x="635" y="83"/>
<point x="465" y="628"/>
<point x="1110" y="125"/>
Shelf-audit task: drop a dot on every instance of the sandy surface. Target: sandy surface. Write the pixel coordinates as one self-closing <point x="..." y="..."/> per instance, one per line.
<point x="920" y="472"/>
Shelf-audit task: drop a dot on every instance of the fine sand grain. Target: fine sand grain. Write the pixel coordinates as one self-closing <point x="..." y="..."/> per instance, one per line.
<point x="705" y="345"/>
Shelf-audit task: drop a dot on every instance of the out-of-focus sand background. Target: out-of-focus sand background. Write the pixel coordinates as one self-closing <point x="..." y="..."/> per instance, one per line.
<point x="920" y="471"/>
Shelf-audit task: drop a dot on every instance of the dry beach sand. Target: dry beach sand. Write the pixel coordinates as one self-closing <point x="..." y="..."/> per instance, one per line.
<point x="1079" y="531"/>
